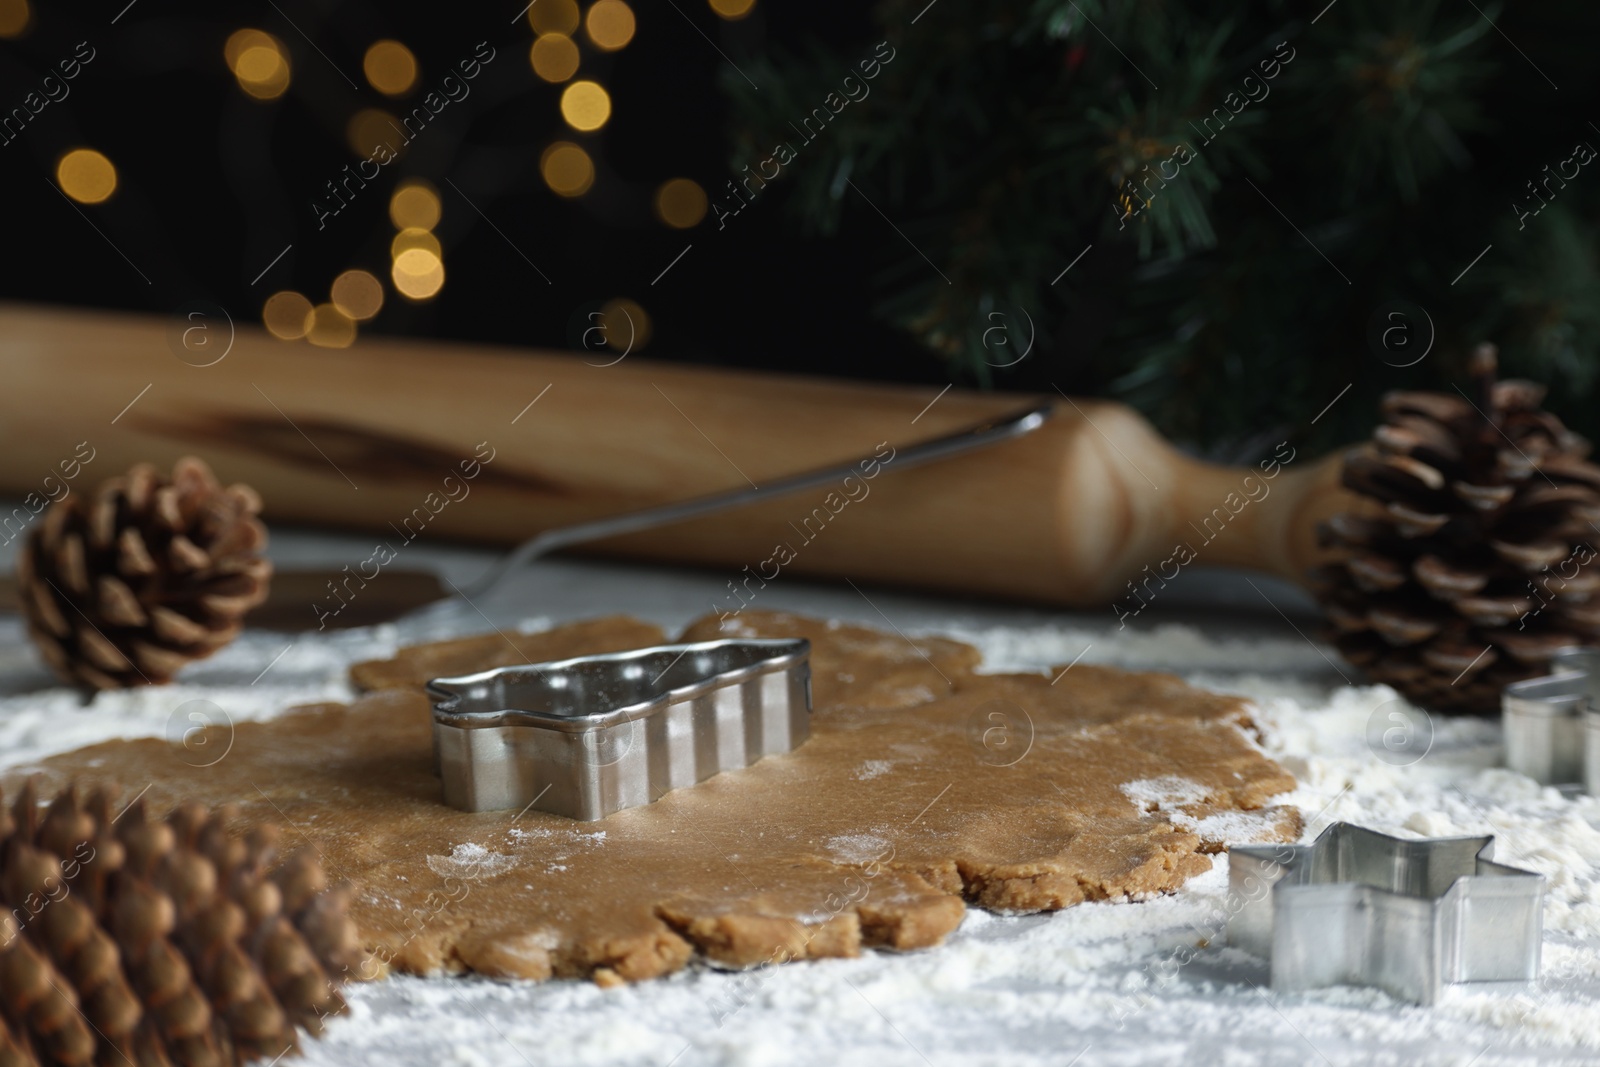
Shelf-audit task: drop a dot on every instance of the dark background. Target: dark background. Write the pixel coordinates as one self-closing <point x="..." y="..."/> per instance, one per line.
<point x="1394" y="151"/>
<point x="212" y="184"/>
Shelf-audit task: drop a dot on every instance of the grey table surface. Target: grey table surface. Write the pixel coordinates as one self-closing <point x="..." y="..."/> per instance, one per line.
<point x="992" y="1020"/>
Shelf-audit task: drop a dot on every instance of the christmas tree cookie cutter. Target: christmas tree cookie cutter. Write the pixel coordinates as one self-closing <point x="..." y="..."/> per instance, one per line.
<point x="1358" y="907"/>
<point x="1552" y="723"/>
<point x="589" y="736"/>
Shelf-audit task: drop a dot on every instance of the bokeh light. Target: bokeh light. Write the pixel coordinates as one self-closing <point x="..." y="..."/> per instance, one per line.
<point x="371" y="127"/>
<point x="626" y="324"/>
<point x="257" y="64"/>
<point x="330" y="328"/>
<point x="417" y="274"/>
<point x="554" y="16"/>
<point x="609" y="24"/>
<point x="259" y="61"/>
<point x="240" y="40"/>
<point x="585" y="105"/>
<point x="287" y="315"/>
<point x="390" y="68"/>
<point x="414" y="237"/>
<point x="733" y="9"/>
<point x="358" y="294"/>
<point x="14" y="17"/>
<point x="86" y="176"/>
<point x="554" y="57"/>
<point x="415" y="205"/>
<point x="567" y="169"/>
<point x="681" y="203"/>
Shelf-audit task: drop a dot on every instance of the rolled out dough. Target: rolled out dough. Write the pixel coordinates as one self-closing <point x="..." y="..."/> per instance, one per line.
<point x="924" y="786"/>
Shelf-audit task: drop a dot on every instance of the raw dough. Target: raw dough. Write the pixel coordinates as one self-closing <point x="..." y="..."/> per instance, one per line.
<point x="924" y="785"/>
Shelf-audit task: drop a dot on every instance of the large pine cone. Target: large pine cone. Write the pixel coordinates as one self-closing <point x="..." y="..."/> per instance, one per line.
<point x="126" y="588"/>
<point x="1479" y="560"/>
<point x="130" y="940"/>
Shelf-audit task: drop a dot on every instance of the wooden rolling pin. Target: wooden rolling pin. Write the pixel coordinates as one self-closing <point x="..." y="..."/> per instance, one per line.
<point x="376" y="436"/>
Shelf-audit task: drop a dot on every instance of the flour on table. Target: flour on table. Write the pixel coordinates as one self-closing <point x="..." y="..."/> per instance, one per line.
<point x="1098" y="980"/>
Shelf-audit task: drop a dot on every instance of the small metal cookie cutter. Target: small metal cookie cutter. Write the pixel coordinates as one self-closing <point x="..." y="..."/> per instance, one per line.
<point x="1552" y="724"/>
<point x="589" y="736"/>
<point x="1359" y="907"/>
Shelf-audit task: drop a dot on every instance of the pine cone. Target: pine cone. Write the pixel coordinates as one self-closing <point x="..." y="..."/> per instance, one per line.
<point x="126" y="588"/>
<point x="1478" y="561"/>
<point x="129" y="940"/>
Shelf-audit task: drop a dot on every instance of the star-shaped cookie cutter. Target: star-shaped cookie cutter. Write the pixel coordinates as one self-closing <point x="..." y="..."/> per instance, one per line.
<point x="592" y="735"/>
<point x="1358" y="907"/>
<point x="1552" y="723"/>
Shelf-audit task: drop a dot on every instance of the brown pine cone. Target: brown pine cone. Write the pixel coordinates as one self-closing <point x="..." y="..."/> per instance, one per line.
<point x="1478" y="560"/>
<point x="125" y="588"/>
<point x="132" y="940"/>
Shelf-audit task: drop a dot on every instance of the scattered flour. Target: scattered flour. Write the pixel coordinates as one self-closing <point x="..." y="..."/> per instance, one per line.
<point x="857" y="848"/>
<point x="1096" y="984"/>
<point x="470" y="861"/>
<point x="873" y="768"/>
<point x="1231" y="827"/>
<point x="1170" y="795"/>
<point x="1163" y="794"/>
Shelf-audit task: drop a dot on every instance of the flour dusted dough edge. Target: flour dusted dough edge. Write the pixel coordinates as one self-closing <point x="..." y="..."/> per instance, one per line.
<point x="875" y="834"/>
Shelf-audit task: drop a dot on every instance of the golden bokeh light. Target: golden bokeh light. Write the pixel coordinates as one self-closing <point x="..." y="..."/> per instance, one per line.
<point x="681" y="203"/>
<point x="415" y="206"/>
<point x="554" y="16"/>
<point x="626" y="324"/>
<point x="86" y="176"/>
<point x="390" y="68"/>
<point x="414" y="237"/>
<point x="733" y="9"/>
<point x="269" y="90"/>
<point x="554" y="57"/>
<point x="418" y="274"/>
<point x="14" y="17"/>
<point x="240" y="40"/>
<point x="369" y="129"/>
<point x="287" y="315"/>
<point x="609" y="24"/>
<point x="585" y="105"/>
<point x="260" y="63"/>
<point x="357" y="294"/>
<point x="567" y="169"/>
<point x="329" y="327"/>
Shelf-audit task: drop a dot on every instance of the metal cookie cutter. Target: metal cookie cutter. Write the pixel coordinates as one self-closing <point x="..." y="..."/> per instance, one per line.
<point x="1552" y="724"/>
<point x="589" y="736"/>
<point x="1358" y="907"/>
